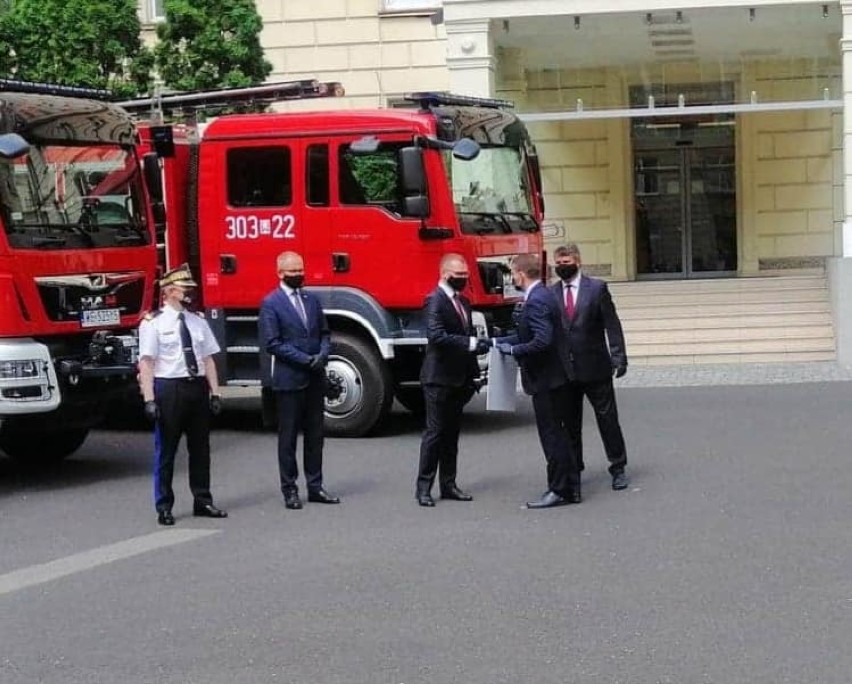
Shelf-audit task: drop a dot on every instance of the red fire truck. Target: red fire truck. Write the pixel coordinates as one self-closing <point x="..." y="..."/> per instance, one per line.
<point x="77" y="263"/>
<point x="372" y="200"/>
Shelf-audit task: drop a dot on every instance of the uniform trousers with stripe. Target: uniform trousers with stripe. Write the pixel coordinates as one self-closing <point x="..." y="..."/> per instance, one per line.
<point x="184" y="409"/>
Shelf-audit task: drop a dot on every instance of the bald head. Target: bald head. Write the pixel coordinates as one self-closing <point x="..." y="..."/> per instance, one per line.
<point x="454" y="271"/>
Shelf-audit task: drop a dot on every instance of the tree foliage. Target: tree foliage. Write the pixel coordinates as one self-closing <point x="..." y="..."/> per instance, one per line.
<point x="207" y="44"/>
<point x="93" y="43"/>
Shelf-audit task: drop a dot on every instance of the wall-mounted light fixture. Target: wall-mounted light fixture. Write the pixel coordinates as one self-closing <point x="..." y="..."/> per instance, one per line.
<point x="649" y="18"/>
<point x="751" y="14"/>
<point x="825" y="11"/>
<point x="679" y="17"/>
<point x="505" y="26"/>
<point x="576" y="23"/>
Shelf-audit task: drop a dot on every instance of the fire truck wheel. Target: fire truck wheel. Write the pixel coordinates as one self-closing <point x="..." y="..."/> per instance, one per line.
<point x="363" y="389"/>
<point x="42" y="448"/>
<point x="411" y="399"/>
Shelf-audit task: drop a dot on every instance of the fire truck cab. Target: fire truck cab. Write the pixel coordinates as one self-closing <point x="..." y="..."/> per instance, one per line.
<point x="77" y="264"/>
<point x="372" y="200"/>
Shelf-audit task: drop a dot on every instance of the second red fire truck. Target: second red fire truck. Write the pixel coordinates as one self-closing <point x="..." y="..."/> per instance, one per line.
<point x="371" y="199"/>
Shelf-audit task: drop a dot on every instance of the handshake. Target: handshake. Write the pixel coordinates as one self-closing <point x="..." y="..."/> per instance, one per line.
<point x="483" y="345"/>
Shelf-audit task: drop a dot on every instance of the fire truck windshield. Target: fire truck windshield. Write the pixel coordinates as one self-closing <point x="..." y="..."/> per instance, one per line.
<point x="73" y="197"/>
<point x="491" y="193"/>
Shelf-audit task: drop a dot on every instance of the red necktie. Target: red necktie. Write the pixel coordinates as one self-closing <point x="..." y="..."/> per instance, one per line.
<point x="459" y="310"/>
<point x="569" y="303"/>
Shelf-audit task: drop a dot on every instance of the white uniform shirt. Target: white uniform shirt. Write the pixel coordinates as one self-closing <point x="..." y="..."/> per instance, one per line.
<point x="159" y="338"/>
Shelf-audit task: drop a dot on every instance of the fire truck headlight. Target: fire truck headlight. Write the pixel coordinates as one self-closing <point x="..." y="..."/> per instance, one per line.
<point x="19" y="369"/>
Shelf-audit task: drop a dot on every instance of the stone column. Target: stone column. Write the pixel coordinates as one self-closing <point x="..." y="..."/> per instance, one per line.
<point x="839" y="269"/>
<point x="846" y="54"/>
<point x="470" y="57"/>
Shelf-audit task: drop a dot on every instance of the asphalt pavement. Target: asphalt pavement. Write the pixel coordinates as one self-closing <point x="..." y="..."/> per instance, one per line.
<point x="727" y="560"/>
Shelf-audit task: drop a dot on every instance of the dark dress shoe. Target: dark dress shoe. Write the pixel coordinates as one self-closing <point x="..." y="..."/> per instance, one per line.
<point x="574" y="497"/>
<point x="165" y="518"/>
<point x="620" y="481"/>
<point x="322" y="496"/>
<point x="425" y="499"/>
<point x="549" y="500"/>
<point x="208" y="511"/>
<point x="455" y="494"/>
<point x="292" y="501"/>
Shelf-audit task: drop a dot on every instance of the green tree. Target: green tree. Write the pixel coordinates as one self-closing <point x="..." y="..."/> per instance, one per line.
<point x="206" y="44"/>
<point x="91" y="43"/>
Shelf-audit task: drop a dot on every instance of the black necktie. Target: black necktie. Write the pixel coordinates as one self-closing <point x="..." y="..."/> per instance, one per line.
<point x="186" y="343"/>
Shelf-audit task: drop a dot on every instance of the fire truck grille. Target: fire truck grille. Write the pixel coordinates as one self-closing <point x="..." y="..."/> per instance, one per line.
<point x="65" y="298"/>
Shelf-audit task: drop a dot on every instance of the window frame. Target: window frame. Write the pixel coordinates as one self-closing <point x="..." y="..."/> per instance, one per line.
<point x="410" y="6"/>
<point x="288" y="187"/>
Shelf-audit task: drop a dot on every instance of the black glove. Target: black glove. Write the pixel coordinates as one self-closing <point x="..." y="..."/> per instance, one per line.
<point x="504" y="348"/>
<point x="317" y="362"/>
<point x="620" y="369"/>
<point x="215" y="404"/>
<point x="152" y="411"/>
<point x="482" y="346"/>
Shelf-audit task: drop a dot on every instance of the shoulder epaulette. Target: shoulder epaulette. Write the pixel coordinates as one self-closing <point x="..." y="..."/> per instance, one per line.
<point x="151" y="315"/>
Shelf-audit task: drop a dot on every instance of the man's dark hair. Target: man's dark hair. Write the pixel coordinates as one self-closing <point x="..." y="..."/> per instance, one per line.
<point x="570" y="249"/>
<point x="528" y="264"/>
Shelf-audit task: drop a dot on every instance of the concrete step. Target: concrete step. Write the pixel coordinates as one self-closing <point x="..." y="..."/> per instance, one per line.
<point x="774" y="284"/>
<point x="788" y="310"/>
<point x="752" y="357"/>
<point x="727" y="320"/>
<point x="819" y="335"/>
<point x="705" y="297"/>
<point x="720" y="347"/>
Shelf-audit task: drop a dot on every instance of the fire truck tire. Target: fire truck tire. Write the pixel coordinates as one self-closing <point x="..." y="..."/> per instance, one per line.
<point x="412" y="399"/>
<point x="42" y="448"/>
<point x="361" y="379"/>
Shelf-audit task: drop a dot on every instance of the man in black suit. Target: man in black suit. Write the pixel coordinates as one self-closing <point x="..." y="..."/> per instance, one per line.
<point x="592" y="351"/>
<point x="294" y="332"/>
<point x="544" y="378"/>
<point x="447" y="376"/>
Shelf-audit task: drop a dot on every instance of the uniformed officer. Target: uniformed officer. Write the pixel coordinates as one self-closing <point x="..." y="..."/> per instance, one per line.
<point x="180" y="387"/>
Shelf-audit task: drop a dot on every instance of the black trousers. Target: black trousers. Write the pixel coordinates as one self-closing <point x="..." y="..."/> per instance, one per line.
<point x="184" y="409"/>
<point x="439" y="447"/>
<point x="563" y="475"/>
<point x="601" y="396"/>
<point x="301" y="411"/>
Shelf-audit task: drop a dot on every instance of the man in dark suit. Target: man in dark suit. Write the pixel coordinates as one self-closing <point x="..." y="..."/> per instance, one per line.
<point x="447" y="376"/>
<point x="592" y="351"/>
<point x="294" y="331"/>
<point x="544" y="378"/>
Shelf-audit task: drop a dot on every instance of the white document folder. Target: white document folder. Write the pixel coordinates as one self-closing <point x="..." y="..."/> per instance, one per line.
<point x="502" y="388"/>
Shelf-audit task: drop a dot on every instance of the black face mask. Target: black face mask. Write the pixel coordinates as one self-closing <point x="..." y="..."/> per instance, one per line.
<point x="294" y="282"/>
<point x="567" y="271"/>
<point x="458" y="284"/>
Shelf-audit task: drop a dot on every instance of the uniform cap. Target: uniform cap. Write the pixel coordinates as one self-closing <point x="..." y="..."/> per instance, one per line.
<point x="180" y="276"/>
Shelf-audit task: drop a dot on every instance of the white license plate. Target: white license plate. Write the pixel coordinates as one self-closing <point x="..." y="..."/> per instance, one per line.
<point x="98" y="317"/>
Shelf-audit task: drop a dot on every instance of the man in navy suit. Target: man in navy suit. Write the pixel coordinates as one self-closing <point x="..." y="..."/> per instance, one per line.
<point x="294" y="332"/>
<point x="592" y="351"/>
<point x="447" y="375"/>
<point x="543" y="377"/>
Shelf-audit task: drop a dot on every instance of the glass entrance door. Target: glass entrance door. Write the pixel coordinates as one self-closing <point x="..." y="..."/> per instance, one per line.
<point x="685" y="193"/>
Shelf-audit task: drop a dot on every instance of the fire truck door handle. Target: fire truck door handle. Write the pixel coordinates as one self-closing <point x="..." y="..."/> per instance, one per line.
<point x="340" y="262"/>
<point x="227" y="264"/>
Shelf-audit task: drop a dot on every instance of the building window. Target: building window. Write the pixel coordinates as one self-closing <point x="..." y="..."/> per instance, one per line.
<point x="157" y="9"/>
<point x="259" y="177"/>
<point x="410" y="5"/>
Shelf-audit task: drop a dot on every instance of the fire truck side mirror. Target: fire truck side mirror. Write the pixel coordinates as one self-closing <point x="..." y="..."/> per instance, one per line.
<point x="535" y="167"/>
<point x="13" y="145"/>
<point x="466" y="149"/>
<point x="153" y="177"/>
<point x="411" y="171"/>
